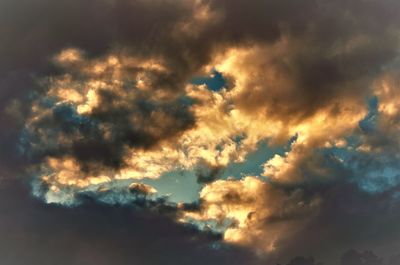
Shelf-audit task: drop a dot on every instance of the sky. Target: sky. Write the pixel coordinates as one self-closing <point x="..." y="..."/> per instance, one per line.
<point x="200" y="132"/>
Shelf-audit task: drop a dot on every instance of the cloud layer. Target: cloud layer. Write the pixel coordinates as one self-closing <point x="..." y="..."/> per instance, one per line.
<point x="100" y="105"/>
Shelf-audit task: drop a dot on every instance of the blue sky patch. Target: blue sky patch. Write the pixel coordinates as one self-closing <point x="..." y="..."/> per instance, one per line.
<point x="214" y="82"/>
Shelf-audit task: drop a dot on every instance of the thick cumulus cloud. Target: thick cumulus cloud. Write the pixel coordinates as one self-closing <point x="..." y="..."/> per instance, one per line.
<point x="107" y="101"/>
<point x="253" y="211"/>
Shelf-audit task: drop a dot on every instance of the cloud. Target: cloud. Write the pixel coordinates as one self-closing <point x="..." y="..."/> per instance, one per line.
<point x="98" y="233"/>
<point x="103" y="93"/>
<point x="253" y="212"/>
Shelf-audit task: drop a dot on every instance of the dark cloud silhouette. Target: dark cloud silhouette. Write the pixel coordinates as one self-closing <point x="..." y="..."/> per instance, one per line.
<point x="394" y="260"/>
<point x="353" y="257"/>
<point x="348" y="218"/>
<point x="304" y="261"/>
<point x="93" y="233"/>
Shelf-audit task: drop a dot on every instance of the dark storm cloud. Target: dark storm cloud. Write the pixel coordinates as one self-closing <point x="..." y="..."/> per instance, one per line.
<point x="147" y="27"/>
<point x="349" y="218"/>
<point x="351" y="214"/>
<point x="38" y="29"/>
<point x="34" y="233"/>
<point x="334" y="49"/>
<point x="34" y="31"/>
<point x="303" y="261"/>
<point x="333" y="46"/>
<point x="326" y="54"/>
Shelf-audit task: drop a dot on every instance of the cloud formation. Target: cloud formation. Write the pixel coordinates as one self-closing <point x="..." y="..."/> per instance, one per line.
<point x="254" y="212"/>
<point x="111" y="103"/>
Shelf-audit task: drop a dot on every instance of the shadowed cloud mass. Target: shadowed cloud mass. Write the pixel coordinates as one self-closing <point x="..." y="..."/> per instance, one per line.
<point x="281" y="118"/>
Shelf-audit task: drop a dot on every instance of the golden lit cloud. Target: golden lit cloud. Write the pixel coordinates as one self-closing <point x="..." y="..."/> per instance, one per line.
<point x="123" y="116"/>
<point x="250" y="206"/>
